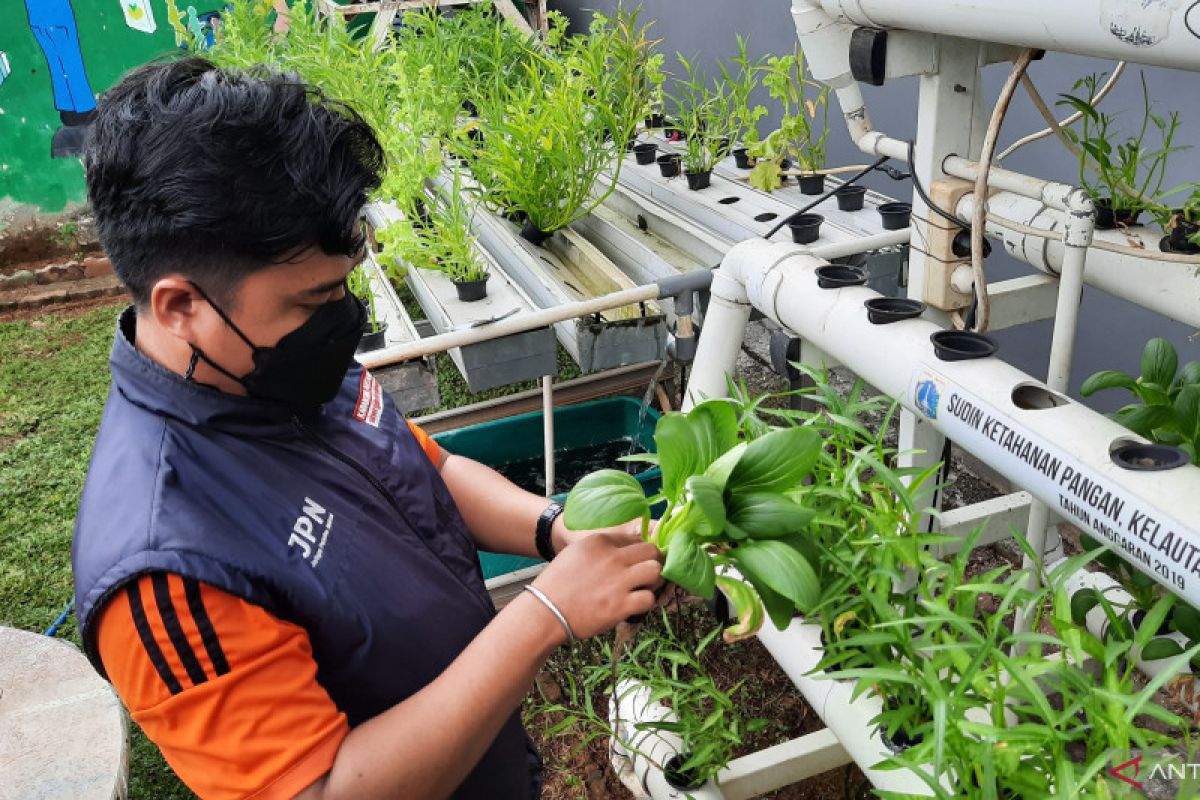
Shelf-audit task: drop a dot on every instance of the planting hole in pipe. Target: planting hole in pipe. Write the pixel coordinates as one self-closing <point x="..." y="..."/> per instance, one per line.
<point x="766" y="216"/>
<point x="883" y="310"/>
<point x="728" y="201"/>
<point x="835" y="277"/>
<point x="1031" y="397"/>
<point x="1146" y="456"/>
<point x="962" y="345"/>
<point x="676" y="778"/>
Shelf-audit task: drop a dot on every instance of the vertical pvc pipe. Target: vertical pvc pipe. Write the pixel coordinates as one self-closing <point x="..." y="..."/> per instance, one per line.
<point x="1077" y="237"/>
<point x="717" y="352"/>
<point x="548" y="430"/>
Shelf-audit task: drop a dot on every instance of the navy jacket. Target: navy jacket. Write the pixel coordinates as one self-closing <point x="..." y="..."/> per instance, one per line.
<point x="338" y="523"/>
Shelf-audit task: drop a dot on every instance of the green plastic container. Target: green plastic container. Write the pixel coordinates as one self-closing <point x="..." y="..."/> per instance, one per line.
<point x="587" y="436"/>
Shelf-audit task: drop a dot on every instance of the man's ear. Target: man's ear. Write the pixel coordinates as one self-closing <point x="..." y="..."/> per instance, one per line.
<point x="177" y="307"/>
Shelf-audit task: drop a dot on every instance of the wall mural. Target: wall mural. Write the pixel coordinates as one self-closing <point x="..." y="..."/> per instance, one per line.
<point x="56" y="56"/>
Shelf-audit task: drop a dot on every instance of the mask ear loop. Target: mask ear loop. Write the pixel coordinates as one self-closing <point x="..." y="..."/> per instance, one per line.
<point x="225" y="317"/>
<point x="191" y="367"/>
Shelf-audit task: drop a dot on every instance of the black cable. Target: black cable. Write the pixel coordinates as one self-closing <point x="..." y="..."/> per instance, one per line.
<point x="823" y="198"/>
<point x="924" y="197"/>
<point x="943" y="477"/>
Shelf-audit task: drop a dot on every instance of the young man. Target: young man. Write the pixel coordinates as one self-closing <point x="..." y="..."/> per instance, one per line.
<point x="275" y="571"/>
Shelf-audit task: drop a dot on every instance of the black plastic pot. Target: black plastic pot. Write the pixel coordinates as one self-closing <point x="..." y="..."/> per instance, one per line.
<point x="475" y="135"/>
<point x="1176" y="240"/>
<point x="470" y="291"/>
<point x="656" y="121"/>
<point x="669" y="164"/>
<point x="806" y="228"/>
<point x="470" y="108"/>
<point x="784" y="166"/>
<point x="742" y="158"/>
<point x="698" y="180"/>
<point x="885" y="310"/>
<point x="532" y="233"/>
<point x="1107" y="218"/>
<point x="678" y="779"/>
<point x="812" y="184"/>
<point x="1149" y="457"/>
<point x="373" y="340"/>
<point x="834" y="276"/>
<point x="850" y="198"/>
<point x="517" y="216"/>
<point x="962" y="345"/>
<point x="644" y="153"/>
<point x="723" y="146"/>
<point x="895" y="215"/>
<point x="901" y="741"/>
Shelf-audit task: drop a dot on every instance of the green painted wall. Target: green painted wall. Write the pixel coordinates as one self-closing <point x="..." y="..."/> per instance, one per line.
<point x="29" y="117"/>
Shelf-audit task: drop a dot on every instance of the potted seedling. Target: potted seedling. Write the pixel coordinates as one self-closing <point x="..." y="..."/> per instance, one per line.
<point x="743" y="115"/>
<point x="711" y="116"/>
<point x="801" y="136"/>
<point x="553" y="133"/>
<point x="358" y="283"/>
<point x="1168" y="407"/>
<point x="1182" y="226"/>
<point x="1128" y="173"/>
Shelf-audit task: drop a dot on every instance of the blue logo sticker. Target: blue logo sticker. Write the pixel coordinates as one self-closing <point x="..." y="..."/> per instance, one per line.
<point x="927" y="397"/>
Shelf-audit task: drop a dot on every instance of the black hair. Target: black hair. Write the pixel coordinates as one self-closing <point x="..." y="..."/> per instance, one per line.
<point x="217" y="173"/>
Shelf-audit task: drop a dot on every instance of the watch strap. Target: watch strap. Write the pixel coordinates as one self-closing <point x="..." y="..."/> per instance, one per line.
<point x="545" y="525"/>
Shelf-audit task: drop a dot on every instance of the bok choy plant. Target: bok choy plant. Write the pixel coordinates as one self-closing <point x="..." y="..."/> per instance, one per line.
<point x="729" y="503"/>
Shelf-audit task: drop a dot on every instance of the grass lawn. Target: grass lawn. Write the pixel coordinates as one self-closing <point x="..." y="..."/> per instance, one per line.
<point x="53" y="382"/>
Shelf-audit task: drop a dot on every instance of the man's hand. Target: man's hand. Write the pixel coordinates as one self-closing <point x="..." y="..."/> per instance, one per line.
<point x="601" y="578"/>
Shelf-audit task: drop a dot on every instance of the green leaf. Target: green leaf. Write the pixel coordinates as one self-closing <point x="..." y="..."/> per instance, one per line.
<point x="1107" y="379"/>
<point x="1142" y="420"/>
<point x="777" y="461"/>
<point x="721" y="418"/>
<point x="1186" y="620"/>
<point x="746" y="605"/>
<point x="678" y="453"/>
<point x="603" y="499"/>
<point x="1082" y="602"/>
<point x="781" y="568"/>
<point x="1187" y="412"/>
<point x="1161" y="647"/>
<point x="720" y="469"/>
<point x="709" y="505"/>
<point x="1159" y="362"/>
<point x="764" y="515"/>
<point x="1189" y="375"/>
<point x="687" y="565"/>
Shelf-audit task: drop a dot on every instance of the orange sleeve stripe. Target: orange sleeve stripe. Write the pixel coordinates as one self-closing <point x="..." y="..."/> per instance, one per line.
<point x="259" y="725"/>
<point x="431" y="448"/>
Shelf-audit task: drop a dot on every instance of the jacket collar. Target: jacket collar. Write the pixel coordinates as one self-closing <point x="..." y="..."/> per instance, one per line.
<point x="152" y="387"/>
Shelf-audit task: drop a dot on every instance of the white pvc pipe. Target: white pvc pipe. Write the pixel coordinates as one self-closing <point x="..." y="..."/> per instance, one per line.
<point x="718" y="352"/>
<point x="1166" y="287"/>
<point x="517" y="324"/>
<point x="973" y="403"/>
<point x="798" y="651"/>
<point x="1152" y="32"/>
<point x="648" y="750"/>
<point x="548" y="430"/>
<point x="1097" y="621"/>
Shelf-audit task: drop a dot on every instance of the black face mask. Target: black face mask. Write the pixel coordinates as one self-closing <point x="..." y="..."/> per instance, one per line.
<point x="305" y="368"/>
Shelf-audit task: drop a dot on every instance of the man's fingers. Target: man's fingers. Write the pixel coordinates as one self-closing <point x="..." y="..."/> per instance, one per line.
<point x="639" y="602"/>
<point x="644" y="574"/>
<point x="641" y="551"/>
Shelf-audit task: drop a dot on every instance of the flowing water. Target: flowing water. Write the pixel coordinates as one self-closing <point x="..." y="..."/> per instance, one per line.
<point x="647" y="396"/>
